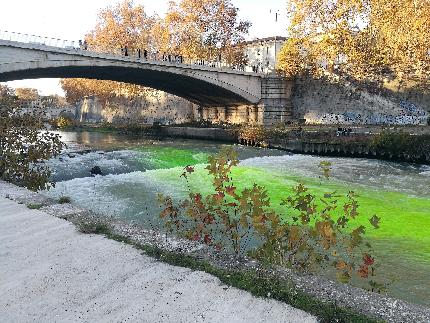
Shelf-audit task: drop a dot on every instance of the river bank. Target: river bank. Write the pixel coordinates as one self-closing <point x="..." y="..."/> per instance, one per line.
<point x="326" y="299"/>
<point x="52" y="272"/>
<point x="401" y="144"/>
<point x="135" y="169"/>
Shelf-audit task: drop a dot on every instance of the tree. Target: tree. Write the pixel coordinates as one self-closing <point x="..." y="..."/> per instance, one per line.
<point x="117" y="27"/>
<point x="205" y="29"/>
<point x="123" y="25"/>
<point x="24" y="144"/>
<point x="290" y="58"/>
<point x="27" y="94"/>
<point x="195" y="29"/>
<point x="369" y="40"/>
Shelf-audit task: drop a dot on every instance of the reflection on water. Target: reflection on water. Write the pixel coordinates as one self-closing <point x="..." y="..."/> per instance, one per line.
<point x="136" y="169"/>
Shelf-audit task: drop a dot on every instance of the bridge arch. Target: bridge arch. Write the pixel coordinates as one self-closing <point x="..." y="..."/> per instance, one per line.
<point x="202" y="85"/>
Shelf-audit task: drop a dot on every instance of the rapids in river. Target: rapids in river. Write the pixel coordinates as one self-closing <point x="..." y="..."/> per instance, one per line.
<point x="136" y="169"/>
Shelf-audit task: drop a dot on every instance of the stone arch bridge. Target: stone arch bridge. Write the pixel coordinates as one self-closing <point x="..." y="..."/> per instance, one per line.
<point x="32" y="57"/>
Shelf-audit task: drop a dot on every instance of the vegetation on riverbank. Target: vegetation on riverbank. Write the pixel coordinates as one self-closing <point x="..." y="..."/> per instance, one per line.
<point x="395" y="143"/>
<point x="107" y="127"/>
<point x="25" y="144"/>
<point x="310" y="232"/>
<point x="405" y="217"/>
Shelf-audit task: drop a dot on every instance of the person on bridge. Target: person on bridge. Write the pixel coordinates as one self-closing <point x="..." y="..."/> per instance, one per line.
<point x="145" y="54"/>
<point x="85" y="45"/>
<point x="138" y="53"/>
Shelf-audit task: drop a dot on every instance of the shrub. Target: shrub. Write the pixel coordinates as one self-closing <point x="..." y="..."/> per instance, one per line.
<point x="64" y="200"/>
<point x="254" y="135"/>
<point x="93" y="227"/>
<point x="34" y="206"/>
<point x="396" y="143"/>
<point x="307" y="236"/>
<point x="25" y="145"/>
<point x="63" y="122"/>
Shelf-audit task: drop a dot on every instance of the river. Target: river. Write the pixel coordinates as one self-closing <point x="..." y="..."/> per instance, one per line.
<point x="136" y="169"/>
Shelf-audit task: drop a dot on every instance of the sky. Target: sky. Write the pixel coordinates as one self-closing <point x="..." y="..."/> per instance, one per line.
<point x="71" y="20"/>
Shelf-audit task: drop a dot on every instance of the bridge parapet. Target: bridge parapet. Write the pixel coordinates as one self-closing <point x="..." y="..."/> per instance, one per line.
<point x="40" y="42"/>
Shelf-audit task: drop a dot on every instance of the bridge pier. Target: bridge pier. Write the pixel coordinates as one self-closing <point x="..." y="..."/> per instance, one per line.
<point x="274" y="107"/>
<point x="276" y="100"/>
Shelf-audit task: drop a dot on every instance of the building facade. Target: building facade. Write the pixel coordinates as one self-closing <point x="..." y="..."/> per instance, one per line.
<point x="261" y="54"/>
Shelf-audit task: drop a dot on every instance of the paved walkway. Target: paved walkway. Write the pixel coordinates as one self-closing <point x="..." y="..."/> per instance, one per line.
<point x="51" y="273"/>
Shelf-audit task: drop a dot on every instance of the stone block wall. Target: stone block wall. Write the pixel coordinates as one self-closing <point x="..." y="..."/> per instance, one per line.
<point x="274" y="107"/>
<point x="277" y="105"/>
<point x="155" y="107"/>
<point x="252" y="114"/>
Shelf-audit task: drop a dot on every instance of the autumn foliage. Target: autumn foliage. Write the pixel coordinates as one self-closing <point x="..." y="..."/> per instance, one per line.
<point x="369" y="40"/>
<point x="309" y="234"/>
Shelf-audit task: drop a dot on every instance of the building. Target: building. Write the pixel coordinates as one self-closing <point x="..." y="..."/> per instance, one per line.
<point x="261" y="54"/>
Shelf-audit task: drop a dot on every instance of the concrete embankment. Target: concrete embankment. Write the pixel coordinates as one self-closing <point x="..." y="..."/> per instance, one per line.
<point x="218" y="134"/>
<point x="357" y="150"/>
<point x="51" y="273"/>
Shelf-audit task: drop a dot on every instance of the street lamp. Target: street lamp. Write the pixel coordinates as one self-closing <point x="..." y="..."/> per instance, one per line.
<point x="276" y="21"/>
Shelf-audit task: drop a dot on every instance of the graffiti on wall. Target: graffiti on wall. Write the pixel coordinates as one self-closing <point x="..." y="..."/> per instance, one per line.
<point x="407" y="114"/>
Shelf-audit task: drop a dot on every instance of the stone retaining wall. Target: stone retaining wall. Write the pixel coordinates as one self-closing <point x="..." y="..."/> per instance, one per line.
<point x="216" y="134"/>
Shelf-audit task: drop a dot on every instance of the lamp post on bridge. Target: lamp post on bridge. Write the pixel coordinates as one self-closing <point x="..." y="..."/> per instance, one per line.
<point x="277" y="14"/>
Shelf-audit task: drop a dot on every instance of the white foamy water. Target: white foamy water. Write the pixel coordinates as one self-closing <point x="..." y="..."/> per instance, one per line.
<point x="131" y="195"/>
<point x="400" y="177"/>
<point x="77" y="165"/>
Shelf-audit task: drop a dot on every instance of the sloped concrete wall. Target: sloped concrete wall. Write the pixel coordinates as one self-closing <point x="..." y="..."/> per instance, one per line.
<point x="322" y="102"/>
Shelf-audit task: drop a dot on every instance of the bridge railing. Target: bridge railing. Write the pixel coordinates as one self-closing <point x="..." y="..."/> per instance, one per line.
<point x="38" y="40"/>
<point x="78" y="45"/>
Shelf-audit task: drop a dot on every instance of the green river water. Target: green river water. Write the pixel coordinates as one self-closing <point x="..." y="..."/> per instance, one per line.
<point x="137" y="169"/>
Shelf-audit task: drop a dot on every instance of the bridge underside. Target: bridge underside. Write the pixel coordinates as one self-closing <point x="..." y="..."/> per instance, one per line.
<point x="192" y="89"/>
